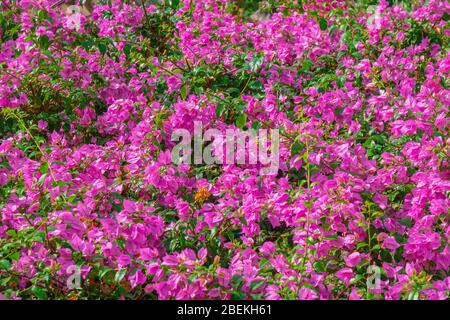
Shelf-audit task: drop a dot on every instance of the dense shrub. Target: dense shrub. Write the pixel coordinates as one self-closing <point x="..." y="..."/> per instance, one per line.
<point x="358" y="89"/>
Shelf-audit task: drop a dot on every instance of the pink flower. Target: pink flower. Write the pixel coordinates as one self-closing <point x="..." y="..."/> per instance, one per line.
<point x="268" y="248"/>
<point x="214" y="293"/>
<point x="390" y="244"/>
<point x="137" y="279"/>
<point x="43" y="125"/>
<point x="381" y="200"/>
<point x="171" y="260"/>
<point x="123" y="260"/>
<point x="129" y="206"/>
<point x="272" y="293"/>
<point x="202" y="254"/>
<point x="354" y="295"/>
<point x="307" y="294"/>
<point x="173" y="83"/>
<point x="345" y="274"/>
<point x="183" y="209"/>
<point x="353" y="259"/>
<point x="147" y="254"/>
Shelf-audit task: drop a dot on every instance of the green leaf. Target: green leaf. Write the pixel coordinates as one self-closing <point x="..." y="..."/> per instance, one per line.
<point x="15" y="256"/>
<point x="239" y="104"/>
<point x="413" y="295"/>
<point x="42" y="15"/>
<point x="357" y="278"/>
<point x="40" y="293"/>
<point x="120" y="274"/>
<point x="319" y="266"/>
<point x="184" y="92"/>
<point x="127" y="50"/>
<point x="296" y="148"/>
<point x="121" y="242"/>
<point x="72" y="198"/>
<point x="323" y="24"/>
<point x="102" y="47"/>
<point x="339" y="111"/>
<point x="39" y="237"/>
<point x="256" y="125"/>
<point x="238" y="296"/>
<point x="259" y="296"/>
<point x="406" y="222"/>
<point x="256" y="284"/>
<point x="44" y="168"/>
<point x="256" y="63"/>
<point x="5" y="265"/>
<point x="306" y="65"/>
<point x="241" y="120"/>
<point x="86" y="44"/>
<point x="198" y="90"/>
<point x="103" y="272"/>
<point x="12" y="233"/>
<point x="44" y="42"/>
<point x="48" y="53"/>
<point x="361" y="245"/>
<point x="263" y="262"/>
<point x="4" y="281"/>
<point x="237" y="281"/>
<point x="386" y="255"/>
<point x="256" y="85"/>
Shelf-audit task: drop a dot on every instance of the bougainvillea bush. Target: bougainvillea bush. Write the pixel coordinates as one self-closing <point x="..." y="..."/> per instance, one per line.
<point x="359" y="208"/>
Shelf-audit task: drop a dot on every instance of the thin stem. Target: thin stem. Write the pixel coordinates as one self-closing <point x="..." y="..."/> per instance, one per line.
<point x="145" y="12"/>
<point x="308" y="184"/>
<point x="22" y="124"/>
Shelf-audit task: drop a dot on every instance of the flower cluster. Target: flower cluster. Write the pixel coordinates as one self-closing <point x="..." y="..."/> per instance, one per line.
<point x="359" y="94"/>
